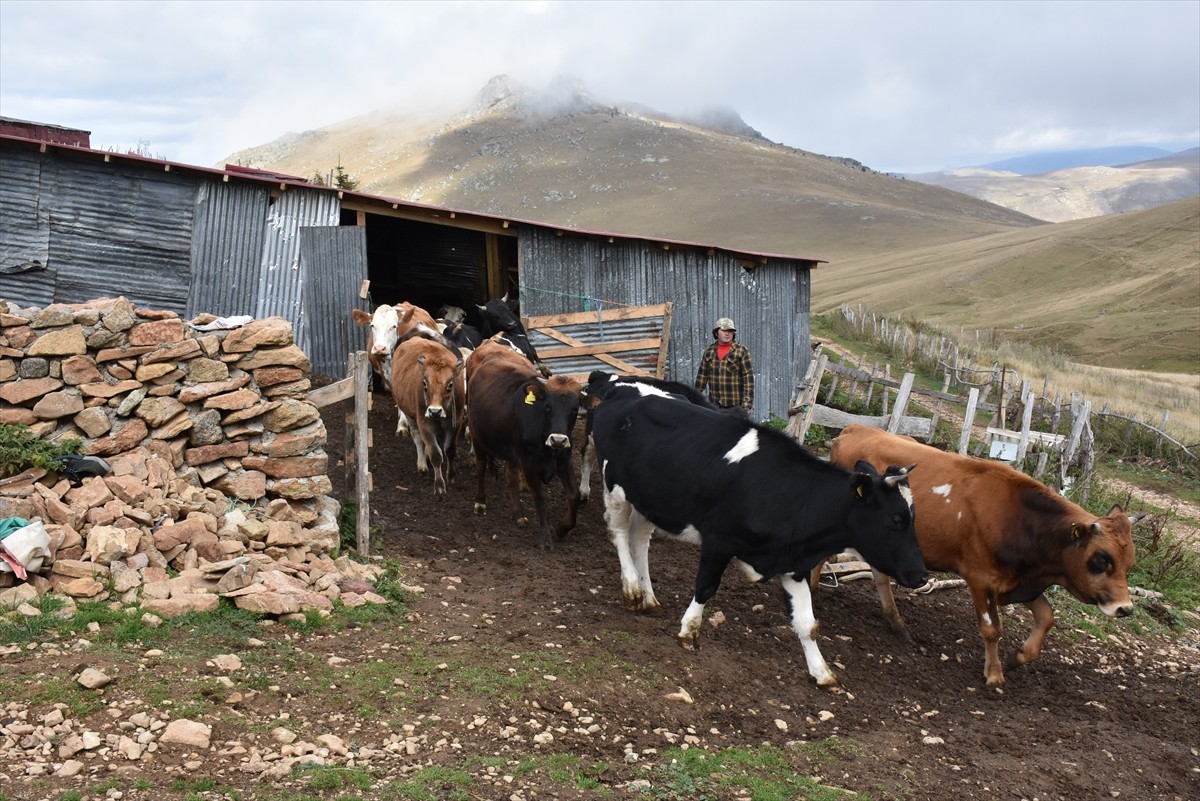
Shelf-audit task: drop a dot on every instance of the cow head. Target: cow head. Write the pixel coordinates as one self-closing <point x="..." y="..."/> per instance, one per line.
<point x="438" y="376"/>
<point x="882" y="520"/>
<point x="1098" y="562"/>
<point x="557" y="400"/>
<point x="383" y="322"/>
<point x="498" y="315"/>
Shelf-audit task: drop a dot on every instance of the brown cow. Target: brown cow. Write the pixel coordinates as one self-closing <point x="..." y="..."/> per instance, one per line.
<point x="428" y="388"/>
<point x="520" y="418"/>
<point x="388" y="324"/>
<point x="1009" y="536"/>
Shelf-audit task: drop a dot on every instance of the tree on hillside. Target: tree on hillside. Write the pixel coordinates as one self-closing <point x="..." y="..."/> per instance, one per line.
<point x="342" y="179"/>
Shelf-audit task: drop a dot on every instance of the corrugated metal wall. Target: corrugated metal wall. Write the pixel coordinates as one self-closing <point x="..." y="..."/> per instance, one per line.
<point x="25" y="275"/>
<point x="107" y="230"/>
<point x="770" y="304"/>
<point x="227" y="248"/>
<point x="280" y="281"/>
<point x="334" y="264"/>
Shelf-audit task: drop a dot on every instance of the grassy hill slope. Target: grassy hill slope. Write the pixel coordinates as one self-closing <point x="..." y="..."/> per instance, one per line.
<point x="1121" y="290"/>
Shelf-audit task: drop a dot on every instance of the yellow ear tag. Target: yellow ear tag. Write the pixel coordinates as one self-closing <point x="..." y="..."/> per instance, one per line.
<point x="859" y="490"/>
<point x="530" y="398"/>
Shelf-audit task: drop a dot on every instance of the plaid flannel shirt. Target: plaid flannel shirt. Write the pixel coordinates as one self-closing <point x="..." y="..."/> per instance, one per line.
<point x="730" y="381"/>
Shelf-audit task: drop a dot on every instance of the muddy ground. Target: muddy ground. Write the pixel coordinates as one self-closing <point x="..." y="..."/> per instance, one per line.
<point x="1112" y="718"/>
<point x="519" y="675"/>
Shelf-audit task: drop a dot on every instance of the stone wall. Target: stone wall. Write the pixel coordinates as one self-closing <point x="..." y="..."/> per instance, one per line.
<point x="218" y="482"/>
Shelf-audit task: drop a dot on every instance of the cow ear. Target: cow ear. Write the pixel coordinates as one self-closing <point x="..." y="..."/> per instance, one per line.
<point x="530" y="392"/>
<point x="1082" y="531"/>
<point x="861" y="483"/>
<point x="360" y="317"/>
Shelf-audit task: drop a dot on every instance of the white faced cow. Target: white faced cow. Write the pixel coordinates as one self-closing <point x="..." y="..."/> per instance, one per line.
<point x="743" y="492"/>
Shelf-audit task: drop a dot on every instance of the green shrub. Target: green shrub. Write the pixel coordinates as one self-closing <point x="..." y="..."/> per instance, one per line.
<point x="21" y="449"/>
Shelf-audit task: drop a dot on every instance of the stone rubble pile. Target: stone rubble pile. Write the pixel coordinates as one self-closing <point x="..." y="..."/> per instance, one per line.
<point x="218" y="484"/>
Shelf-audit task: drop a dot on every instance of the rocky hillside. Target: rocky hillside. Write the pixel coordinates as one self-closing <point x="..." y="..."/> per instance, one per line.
<point x="1080" y="192"/>
<point x="564" y="157"/>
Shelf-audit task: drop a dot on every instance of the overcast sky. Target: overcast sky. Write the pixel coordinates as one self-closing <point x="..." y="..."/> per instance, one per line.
<point x="899" y="86"/>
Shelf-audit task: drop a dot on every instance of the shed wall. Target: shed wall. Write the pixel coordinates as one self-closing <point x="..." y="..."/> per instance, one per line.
<point x="769" y="304"/>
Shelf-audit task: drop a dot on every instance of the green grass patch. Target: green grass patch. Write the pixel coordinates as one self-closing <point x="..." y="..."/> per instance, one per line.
<point x="766" y="773"/>
<point x="435" y="783"/>
<point x="326" y="778"/>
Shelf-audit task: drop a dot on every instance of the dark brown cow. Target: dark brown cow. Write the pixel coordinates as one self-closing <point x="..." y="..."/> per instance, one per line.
<point x="520" y="418"/>
<point x="493" y="348"/>
<point x="1009" y="536"/>
<point x="428" y="388"/>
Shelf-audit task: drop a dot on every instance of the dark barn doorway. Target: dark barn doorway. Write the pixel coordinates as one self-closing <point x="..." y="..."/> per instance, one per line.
<point x="435" y="266"/>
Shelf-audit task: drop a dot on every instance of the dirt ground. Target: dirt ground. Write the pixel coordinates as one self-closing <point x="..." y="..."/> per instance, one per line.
<point x="1092" y="719"/>
<point x="1095" y="718"/>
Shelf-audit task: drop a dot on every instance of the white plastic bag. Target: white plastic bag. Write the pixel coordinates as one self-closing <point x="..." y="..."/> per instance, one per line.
<point x="23" y="551"/>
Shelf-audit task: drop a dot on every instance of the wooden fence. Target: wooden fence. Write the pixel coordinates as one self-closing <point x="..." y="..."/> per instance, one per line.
<point x="1076" y="451"/>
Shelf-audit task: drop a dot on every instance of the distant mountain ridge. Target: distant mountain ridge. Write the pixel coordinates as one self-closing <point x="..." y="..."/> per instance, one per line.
<point x="1118" y="290"/>
<point x="563" y="157"/>
<point x="1078" y="192"/>
<point x="1038" y="163"/>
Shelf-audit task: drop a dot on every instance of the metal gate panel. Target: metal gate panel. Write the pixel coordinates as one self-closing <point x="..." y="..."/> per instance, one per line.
<point x="333" y="266"/>
<point x="227" y="248"/>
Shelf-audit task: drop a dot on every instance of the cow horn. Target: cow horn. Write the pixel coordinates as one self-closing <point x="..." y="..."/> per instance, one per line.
<point x="1134" y="518"/>
<point x="892" y="481"/>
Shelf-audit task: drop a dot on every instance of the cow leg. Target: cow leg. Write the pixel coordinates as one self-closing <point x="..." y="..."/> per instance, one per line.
<point x="587" y="463"/>
<point x="708" y="580"/>
<point x="436" y="461"/>
<point x="639" y="544"/>
<point x="1043" y="621"/>
<point x="514" y="474"/>
<point x="804" y="623"/>
<point x="402" y="424"/>
<point x="566" y="476"/>
<point x="419" y="443"/>
<point x="481" y="469"/>
<point x="618" y="514"/>
<point x="990" y="627"/>
<point x="887" y="600"/>
<point x="538" y="490"/>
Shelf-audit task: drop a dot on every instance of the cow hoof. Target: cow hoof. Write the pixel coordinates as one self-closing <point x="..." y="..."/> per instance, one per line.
<point x="481" y="509"/>
<point x="689" y="643"/>
<point x="522" y="522"/>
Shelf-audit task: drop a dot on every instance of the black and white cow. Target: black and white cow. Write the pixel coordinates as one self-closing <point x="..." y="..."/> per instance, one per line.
<point x="600" y="383"/>
<point x="500" y="317"/>
<point x="743" y="492"/>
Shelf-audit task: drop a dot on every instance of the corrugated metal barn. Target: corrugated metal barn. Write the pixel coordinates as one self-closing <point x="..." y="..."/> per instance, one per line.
<point x="78" y="224"/>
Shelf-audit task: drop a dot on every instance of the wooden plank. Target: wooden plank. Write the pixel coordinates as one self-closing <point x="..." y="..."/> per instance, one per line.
<point x="617" y="364"/>
<point x="660" y="369"/>
<point x="579" y="318"/>
<point x="331" y="393"/>
<point x="918" y="427"/>
<point x="591" y="350"/>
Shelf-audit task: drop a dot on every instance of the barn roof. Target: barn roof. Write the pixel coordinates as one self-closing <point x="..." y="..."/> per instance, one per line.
<point x="437" y="214"/>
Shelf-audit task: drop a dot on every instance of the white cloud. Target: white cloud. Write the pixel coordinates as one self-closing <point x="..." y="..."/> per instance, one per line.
<point x="902" y="86"/>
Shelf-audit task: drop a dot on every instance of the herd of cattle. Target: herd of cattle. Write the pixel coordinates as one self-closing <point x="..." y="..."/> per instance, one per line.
<point x="671" y="462"/>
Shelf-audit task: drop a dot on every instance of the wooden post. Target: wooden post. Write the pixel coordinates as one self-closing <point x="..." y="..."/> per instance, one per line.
<point x="901" y="402"/>
<point x="361" y="371"/>
<point x="884" y="392"/>
<point x="1089" y="458"/>
<point x="937" y="408"/>
<point x="806" y="398"/>
<point x="1077" y="426"/>
<point x="1026" y="424"/>
<point x="964" y="439"/>
<point x="870" y="389"/>
<point x="1162" y="427"/>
